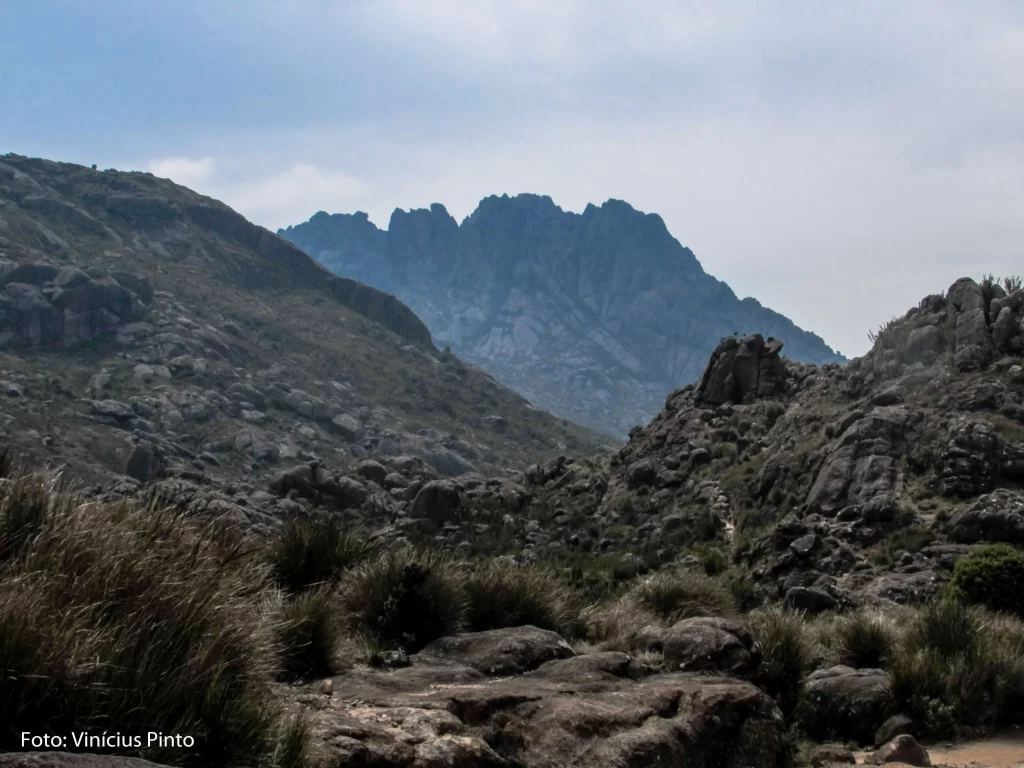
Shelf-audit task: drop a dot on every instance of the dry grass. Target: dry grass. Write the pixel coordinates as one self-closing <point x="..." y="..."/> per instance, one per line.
<point x="114" y="617"/>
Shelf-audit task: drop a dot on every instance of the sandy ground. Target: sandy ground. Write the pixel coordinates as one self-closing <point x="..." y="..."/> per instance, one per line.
<point x="1003" y="751"/>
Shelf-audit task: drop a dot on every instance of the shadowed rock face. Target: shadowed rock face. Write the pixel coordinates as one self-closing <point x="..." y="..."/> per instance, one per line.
<point x="593" y="316"/>
<point x="41" y="305"/>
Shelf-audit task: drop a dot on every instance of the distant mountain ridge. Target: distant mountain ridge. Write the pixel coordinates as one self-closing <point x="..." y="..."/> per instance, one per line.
<point x="594" y="316"/>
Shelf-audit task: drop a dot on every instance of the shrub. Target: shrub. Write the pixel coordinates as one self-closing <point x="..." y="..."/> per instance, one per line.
<point x="1012" y="284"/>
<point x="786" y="654"/>
<point x="404" y="599"/>
<point x="864" y="640"/>
<point x="713" y="560"/>
<point x="308" y="635"/>
<point x="511" y="596"/>
<point x="910" y="539"/>
<point x="673" y="597"/>
<point x="991" y="576"/>
<point x="312" y="551"/>
<point x="114" y="617"/>
<point x="945" y="675"/>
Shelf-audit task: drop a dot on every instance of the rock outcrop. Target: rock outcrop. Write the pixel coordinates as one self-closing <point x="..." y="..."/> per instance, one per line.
<point x="570" y="711"/>
<point x="593" y="316"/>
<point x="43" y="305"/>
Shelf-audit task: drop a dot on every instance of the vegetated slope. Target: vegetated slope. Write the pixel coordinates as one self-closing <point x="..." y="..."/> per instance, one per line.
<point x="593" y="316"/>
<point x="136" y="312"/>
<point x="832" y="486"/>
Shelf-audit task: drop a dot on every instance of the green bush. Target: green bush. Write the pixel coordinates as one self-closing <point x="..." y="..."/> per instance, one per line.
<point x="864" y="640"/>
<point x="991" y="576"/>
<point x="308" y="635"/>
<point x="125" y="619"/>
<point x="313" y="551"/>
<point x="713" y="560"/>
<point x="511" y="596"/>
<point x="673" y="597"/>
<point x="404" y="599"/>
<point x="786" y="654"/>
<point x="946" y="675"/>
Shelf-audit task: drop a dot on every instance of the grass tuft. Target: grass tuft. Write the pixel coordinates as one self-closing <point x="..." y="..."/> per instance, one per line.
<point x="404" y="599"/>
<point x="511" y="596"/>
<point x="786" y="654"/>
<point x="309" y="634"/>
<point x="313" y="551"/>
<point x="673" y="597"/>
<point x="101" y="605"/>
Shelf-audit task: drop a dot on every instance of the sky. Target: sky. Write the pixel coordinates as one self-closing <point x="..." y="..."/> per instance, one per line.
<point x="837" y="161"/>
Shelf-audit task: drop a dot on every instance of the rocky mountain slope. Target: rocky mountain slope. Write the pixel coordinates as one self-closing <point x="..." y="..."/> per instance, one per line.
<point x="593" y="316"/>
<point x="150" y="331"/>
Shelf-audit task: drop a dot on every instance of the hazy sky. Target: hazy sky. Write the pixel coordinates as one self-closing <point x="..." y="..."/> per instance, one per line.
<point x="837" y="161"/>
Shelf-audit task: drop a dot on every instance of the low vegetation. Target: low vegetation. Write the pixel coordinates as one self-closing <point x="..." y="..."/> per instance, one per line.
<point x="95" y="617"/>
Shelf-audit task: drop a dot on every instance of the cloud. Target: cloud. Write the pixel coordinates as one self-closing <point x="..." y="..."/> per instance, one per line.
<point x="181" y="170"/>
<point x="837" y="161"/>
<point x="273" y="200"/>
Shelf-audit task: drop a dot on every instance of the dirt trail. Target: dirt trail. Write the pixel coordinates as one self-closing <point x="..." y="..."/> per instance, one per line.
<point x="1003" y="751"/>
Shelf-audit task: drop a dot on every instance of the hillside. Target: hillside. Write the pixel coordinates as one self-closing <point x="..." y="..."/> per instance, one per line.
<point x="593" y="316"/>
<point x="146" y="325"/>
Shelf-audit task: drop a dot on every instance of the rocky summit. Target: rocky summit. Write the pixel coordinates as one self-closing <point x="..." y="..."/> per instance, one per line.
<point x="592" y="316"/>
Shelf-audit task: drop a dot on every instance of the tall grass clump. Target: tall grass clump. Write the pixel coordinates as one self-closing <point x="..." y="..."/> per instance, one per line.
<point x="404" y="599"/>
<point x="120" y="618"/>
<point x="510" y="596"/>
<point x="676" y="596"/>
<point x="308" y="635"/>
<point x="864" y="640"/>
<point x="786" y="653"/>
<point x="315" y="550"/>
<point x="947" y="675"/>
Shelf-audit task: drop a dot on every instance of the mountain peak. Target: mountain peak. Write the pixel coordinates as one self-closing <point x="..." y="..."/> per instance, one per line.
<point x="594" y="316"/>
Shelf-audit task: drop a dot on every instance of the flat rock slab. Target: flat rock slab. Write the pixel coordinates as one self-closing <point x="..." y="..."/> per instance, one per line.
<point x="70" y="760"/>
<point x="586" y="710"/>
<point x="500" y="652"/>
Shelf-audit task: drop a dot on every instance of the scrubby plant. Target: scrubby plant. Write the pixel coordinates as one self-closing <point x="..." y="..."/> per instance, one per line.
<point x="1012" y="283"/>
<point x="864" y="640"/>
<point x="614" y="626"/>
<point x="499" y="595"/>
<point x="945" y="674"/>
<point x="676" y="596"/>
<point x="785" y="649"/>
<point x="114" y="617"/>
<point x="713" y="560"/>
<point x="991" y="576"/>
<point x="308" y="635"/>
<point x="405" y="599"/>
<point x="315" y="550"/>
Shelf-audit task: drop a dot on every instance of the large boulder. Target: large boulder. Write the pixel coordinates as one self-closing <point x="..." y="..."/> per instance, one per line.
<point x="924" y="345"/>
<point x="996" y="517"/>
<point x="437" y="501"/>
<point x="741" y="370"/>
<point x="709" y="644"/>
<point x="970" y="460"/>
<point x="904" y="749"/>
<point x="500" y="652"/>
<point x="972" y="344"/>
<point x="845" y="703"/>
